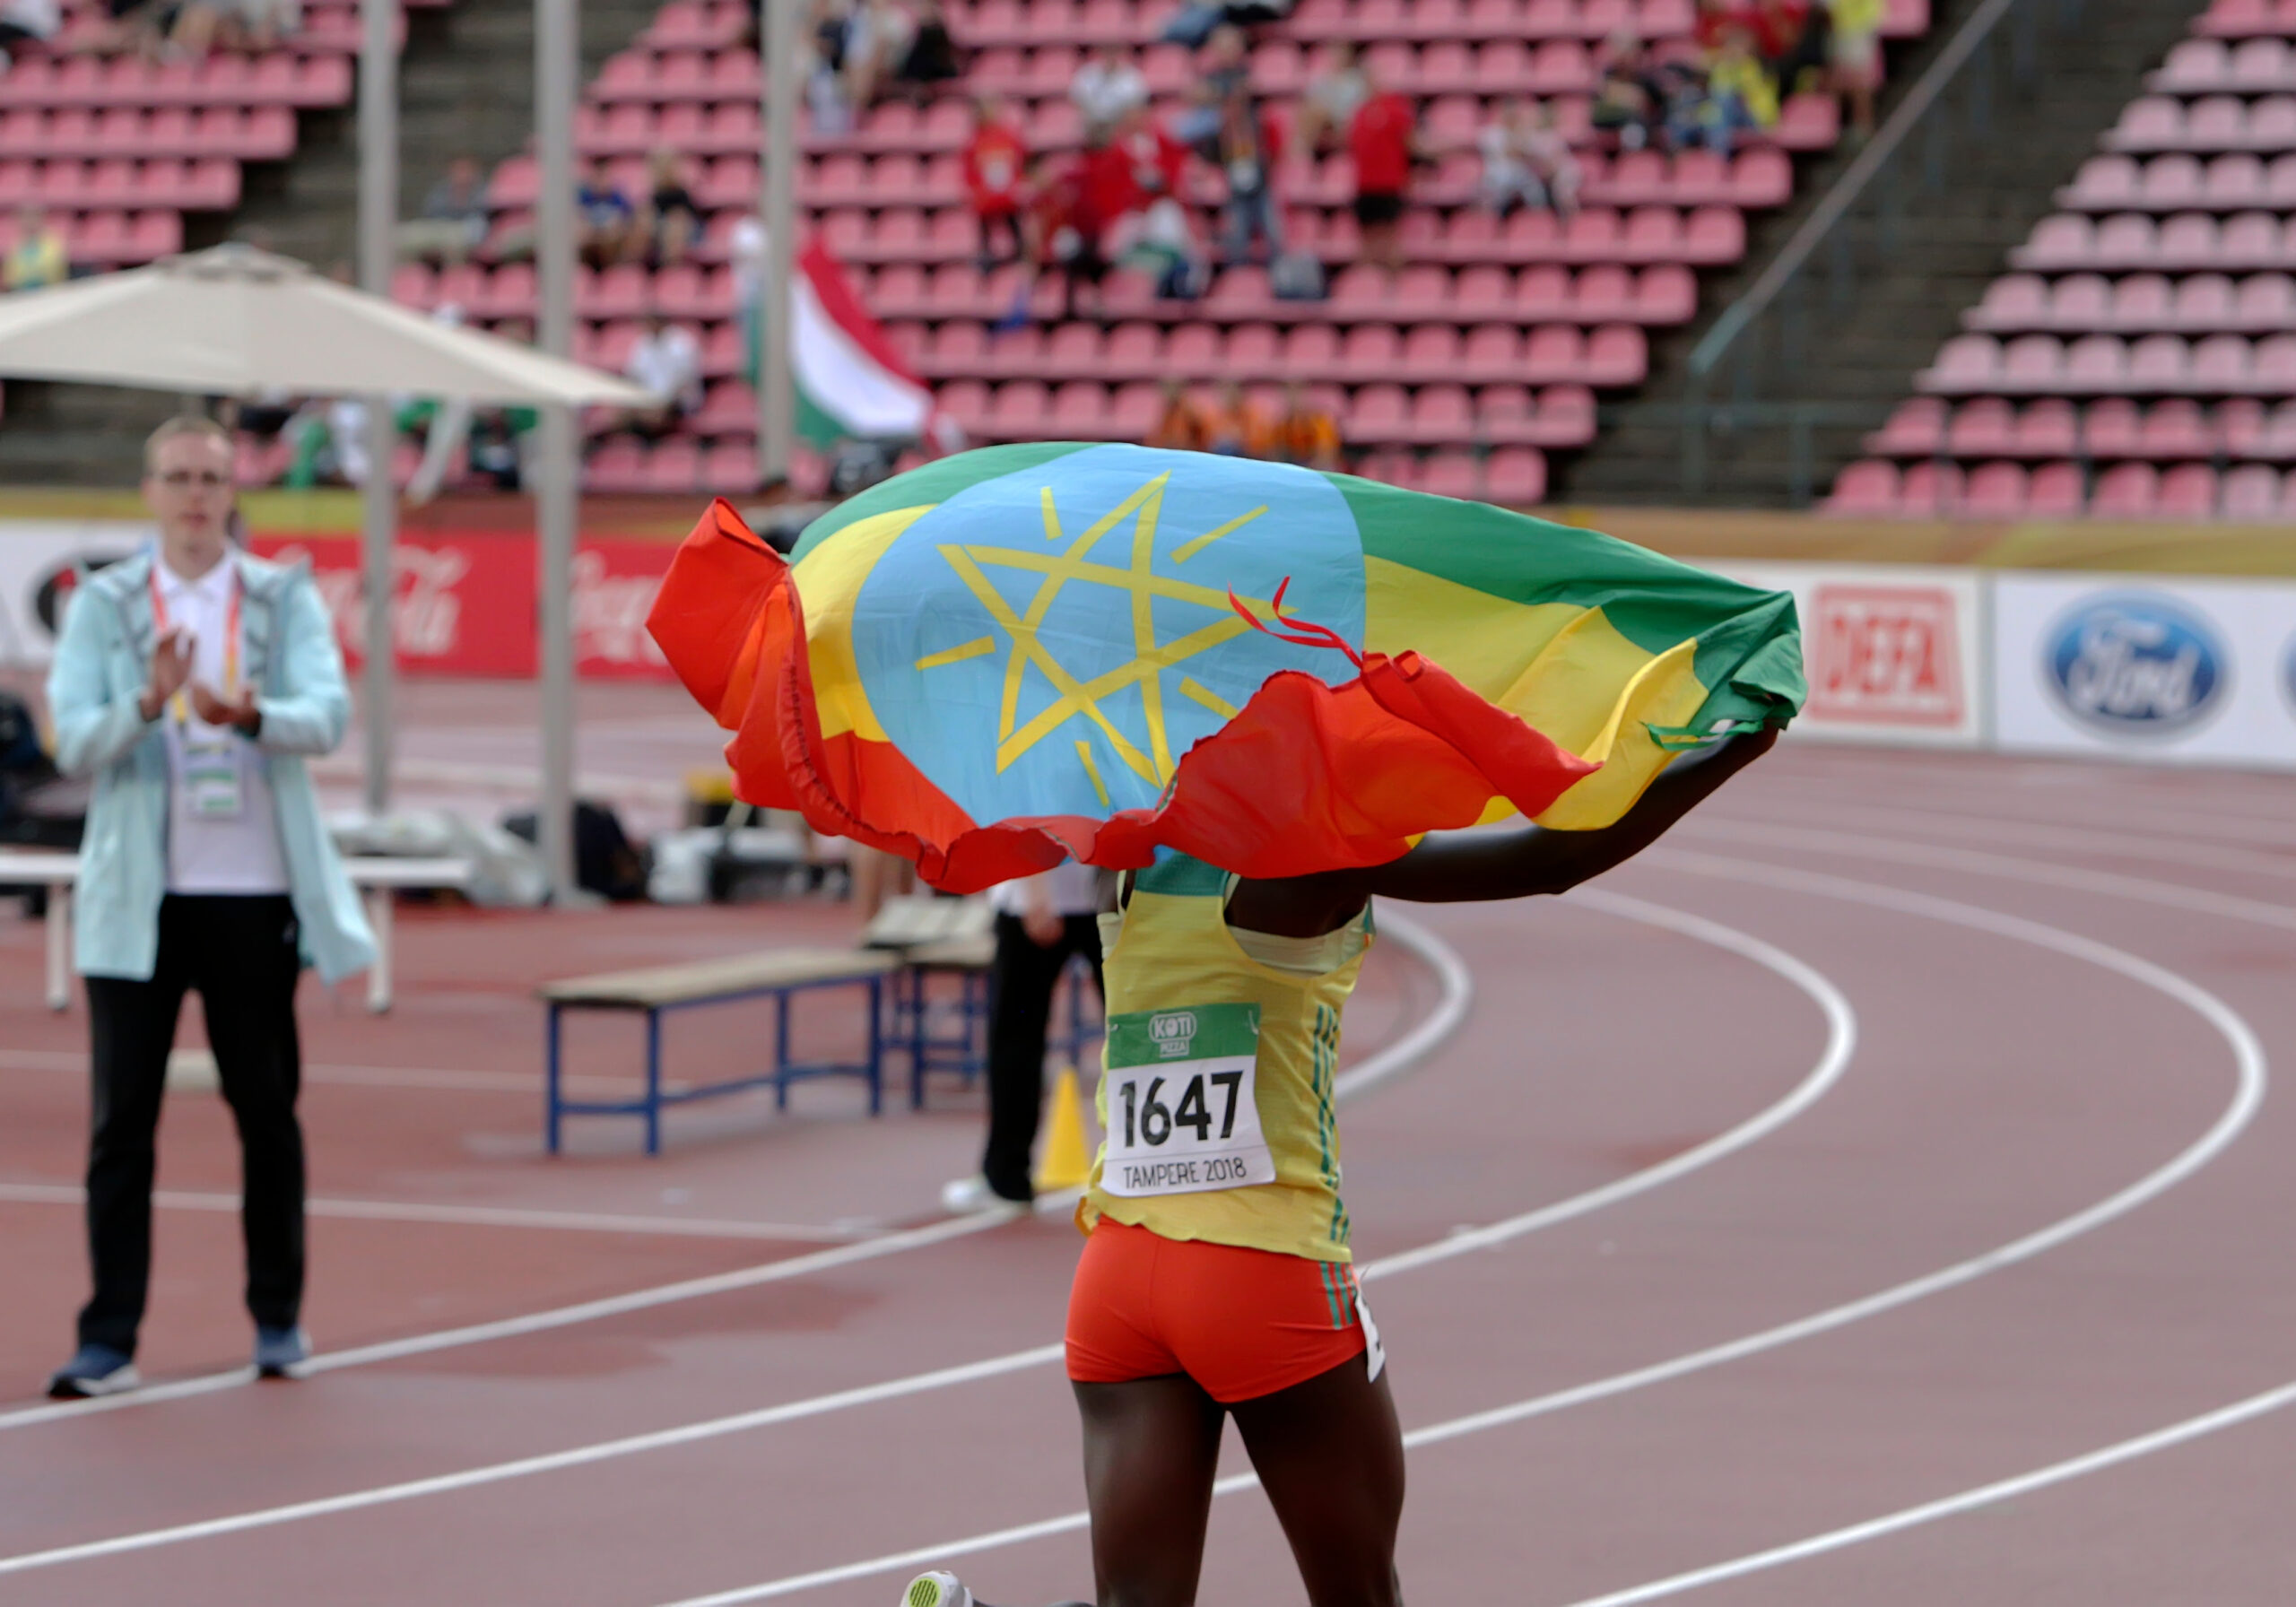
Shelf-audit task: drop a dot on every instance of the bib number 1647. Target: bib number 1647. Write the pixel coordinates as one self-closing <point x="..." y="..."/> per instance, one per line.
<point x="1182" y="1112"/>
<point x="1148" y="1121"/>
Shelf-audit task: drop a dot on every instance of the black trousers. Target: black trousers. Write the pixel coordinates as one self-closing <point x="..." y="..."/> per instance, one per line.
<point x="239" y="953"/>
<point x="1021" y="981"/>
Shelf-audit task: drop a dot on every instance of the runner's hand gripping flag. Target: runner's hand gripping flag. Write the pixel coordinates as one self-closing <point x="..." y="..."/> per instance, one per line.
<point x="1027" y="652"/>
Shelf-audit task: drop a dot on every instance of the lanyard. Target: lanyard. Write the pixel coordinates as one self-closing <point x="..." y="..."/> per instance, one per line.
<point x="178" y="705"/>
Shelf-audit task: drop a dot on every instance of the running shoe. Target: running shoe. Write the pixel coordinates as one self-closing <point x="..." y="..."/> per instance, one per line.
<point x="937" y="1590"/>
<point x="95" y="1371"/>
<point x="279" y="1351"/>
<point x="967" y="1196"/>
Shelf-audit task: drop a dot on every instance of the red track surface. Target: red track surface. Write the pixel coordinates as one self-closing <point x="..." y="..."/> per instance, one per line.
<point x="2007" y="1075"/>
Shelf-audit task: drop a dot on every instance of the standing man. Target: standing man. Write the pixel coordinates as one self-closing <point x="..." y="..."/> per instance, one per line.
<point x="190" y="681"/>
<point x="1042" y="921"/>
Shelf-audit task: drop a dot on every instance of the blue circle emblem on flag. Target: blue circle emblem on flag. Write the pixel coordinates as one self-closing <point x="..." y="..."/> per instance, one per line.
<point x="1054" y="641"/>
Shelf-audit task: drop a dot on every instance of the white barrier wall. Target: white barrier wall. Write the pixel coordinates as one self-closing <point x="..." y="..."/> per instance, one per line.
<point x="2164" y="669"/>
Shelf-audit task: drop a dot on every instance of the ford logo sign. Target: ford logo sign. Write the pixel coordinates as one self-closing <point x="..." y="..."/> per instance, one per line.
<point x="2135" y="664"/>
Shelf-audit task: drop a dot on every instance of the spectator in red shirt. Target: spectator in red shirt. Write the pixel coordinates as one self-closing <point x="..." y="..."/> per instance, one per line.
<point x="1134" y="191"/>
<point x="1060" y="231"/>
<point x="994" y="165"/>
<point x="1717" y="18"/>
<point x="1384" y="140"/>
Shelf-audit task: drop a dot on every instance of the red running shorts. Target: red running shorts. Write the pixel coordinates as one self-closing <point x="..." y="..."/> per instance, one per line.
<point x="1241" y="1322"/>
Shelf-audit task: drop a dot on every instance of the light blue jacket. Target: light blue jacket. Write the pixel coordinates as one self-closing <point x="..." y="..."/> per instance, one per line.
<point x="103" y="666"/>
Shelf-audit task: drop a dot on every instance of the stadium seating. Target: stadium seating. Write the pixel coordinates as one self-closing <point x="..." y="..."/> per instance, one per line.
<point x="2139" y="361"/>
<point x="1497" y="338"/>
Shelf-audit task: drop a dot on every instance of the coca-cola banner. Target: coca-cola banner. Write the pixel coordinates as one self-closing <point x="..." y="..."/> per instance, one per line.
<point x="468" y="604"/>
<point x="2146" y="667"/>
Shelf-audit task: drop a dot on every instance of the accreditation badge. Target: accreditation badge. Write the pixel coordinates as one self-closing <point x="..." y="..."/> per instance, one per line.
<point x="213" y="774"/>
<point x="1182" y="1101"/>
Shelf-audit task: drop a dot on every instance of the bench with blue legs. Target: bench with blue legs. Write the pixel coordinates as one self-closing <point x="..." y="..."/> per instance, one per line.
<point x="777" y="974"/>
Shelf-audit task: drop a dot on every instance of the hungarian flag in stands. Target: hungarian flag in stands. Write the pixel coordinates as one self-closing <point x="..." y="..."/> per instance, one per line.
<point x="851" y="384"/>
<point x="1031" y="651"/>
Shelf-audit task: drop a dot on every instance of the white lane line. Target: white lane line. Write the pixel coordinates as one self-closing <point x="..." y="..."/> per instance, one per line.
<point x="2068" y="791"/>
<point x="2138" y="890"/>
<point x="1840" y="1042"/>
<point x="1457" y="991"/>
<point x="1968" y="1501"/>
<point x="472" y="1216"/>
<point x="366" y="1076"/>
<point x="2248" y="1057"/>
<point x="2159" y="848"/>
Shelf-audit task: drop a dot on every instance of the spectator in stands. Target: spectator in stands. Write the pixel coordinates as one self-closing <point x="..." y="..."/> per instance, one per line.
<point x="1629" y="96"/>
<point x="877" y="36"/>
<point x="1223" y="69"/>
<point x="1736" y="98"/>
<point x="1180" y="424"/>
<point x="1718" y="18"/>
<point x="1854" y="51"/>
<point x="825" y="83"/>
<point x="1230" y="429"/>
<point x="1108" y="88"/>
<point x="1132" y="185"/>
<point x="503" y="439"/>
<point x="1251" y="144"/>
<point x="1384" y="140"/>
<point x="1306" y="435"/>
<point x="251" y="25"/>
<point x="39" y="258"/>
<point x="1195" y="20"/>
<point x="26" y="22"/>
<point x="666" y="360"/>
<point x="671" y="224"/>
<point x="931" y="59"/>
<point x="1527" y="161"/>
<point x="454" y="220"/>
<point x="1328" y="105"/>
<point x="994" y="167"/>
<point x="1791" y="37"/>
<point x="605" y="224"/>
<point x="130" y="28"/>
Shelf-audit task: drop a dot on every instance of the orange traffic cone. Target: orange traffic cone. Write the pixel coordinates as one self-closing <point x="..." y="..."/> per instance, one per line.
<point x="1067" y="1159"/>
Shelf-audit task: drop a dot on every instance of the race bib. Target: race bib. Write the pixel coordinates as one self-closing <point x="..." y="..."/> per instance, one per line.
<point x="212" y="778"/>
<point x="1183" y="1107"/>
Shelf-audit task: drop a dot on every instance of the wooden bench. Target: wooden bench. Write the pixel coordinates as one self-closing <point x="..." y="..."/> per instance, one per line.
<point x="777" y="973"/>
<point x="375" y="877"/>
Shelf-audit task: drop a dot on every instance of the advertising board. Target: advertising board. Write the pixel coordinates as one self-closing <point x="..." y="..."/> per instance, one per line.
<point x="1894" y="652"/>
<point x="2157" y="669"/>
<point x="38" y="559"/>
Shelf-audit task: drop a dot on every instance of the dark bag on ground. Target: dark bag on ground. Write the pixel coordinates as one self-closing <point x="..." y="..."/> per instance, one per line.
<point x="1296" y="276"/>
<point x="604" y="861"/>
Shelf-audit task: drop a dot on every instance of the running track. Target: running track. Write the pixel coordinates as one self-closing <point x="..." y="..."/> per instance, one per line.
<point x="1918" y="1210"/>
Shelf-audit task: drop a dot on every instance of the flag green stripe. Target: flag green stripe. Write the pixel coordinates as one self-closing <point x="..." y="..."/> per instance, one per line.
<point x="1748" y="641"/>
<point x="933" y="482"/>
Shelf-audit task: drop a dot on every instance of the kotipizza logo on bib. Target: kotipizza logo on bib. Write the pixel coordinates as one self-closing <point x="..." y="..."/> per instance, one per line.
<point x="1172" y="1032"/>
<point x="2135" y="664"/>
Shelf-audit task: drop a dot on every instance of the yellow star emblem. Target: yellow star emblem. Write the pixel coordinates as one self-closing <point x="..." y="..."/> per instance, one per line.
<point x="1151" y="659"/>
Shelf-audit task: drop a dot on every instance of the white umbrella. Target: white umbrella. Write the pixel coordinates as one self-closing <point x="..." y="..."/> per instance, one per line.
<point x="235" y="320"/>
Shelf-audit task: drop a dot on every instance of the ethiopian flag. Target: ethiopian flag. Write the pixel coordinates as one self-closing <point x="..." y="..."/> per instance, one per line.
<point x="1029" y="652"/>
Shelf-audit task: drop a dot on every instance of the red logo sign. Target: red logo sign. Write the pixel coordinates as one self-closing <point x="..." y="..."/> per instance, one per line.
<point x="1885" y="656"/>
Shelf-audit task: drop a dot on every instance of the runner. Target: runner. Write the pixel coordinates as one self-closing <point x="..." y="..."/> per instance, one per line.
<point x="1216" y="1279"/>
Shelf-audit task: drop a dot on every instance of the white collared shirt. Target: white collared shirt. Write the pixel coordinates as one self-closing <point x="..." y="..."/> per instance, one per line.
<point x="1070" y="889"/>
<point x="241" y="854"/>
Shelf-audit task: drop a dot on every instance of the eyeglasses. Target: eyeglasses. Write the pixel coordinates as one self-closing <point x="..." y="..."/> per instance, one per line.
<point x="176" y="480"/>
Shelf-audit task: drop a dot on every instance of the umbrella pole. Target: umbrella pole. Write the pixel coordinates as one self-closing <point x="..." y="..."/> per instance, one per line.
<point x="777" y="391"/>
<point x="556" y="42"/>
<point x="377" y="230"/>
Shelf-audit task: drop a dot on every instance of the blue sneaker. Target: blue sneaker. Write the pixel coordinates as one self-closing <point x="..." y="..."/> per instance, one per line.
<point x="94" y="1370"/>
<point x="279" y="1351"/>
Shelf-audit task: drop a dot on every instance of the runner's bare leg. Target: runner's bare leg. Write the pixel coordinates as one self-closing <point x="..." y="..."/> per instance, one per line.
<point x="1152" y="1448"/>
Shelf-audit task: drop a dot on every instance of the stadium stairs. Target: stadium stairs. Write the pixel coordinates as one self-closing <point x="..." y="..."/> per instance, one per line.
<point x="466" y="88"/>
<point x="1957" y="240"/>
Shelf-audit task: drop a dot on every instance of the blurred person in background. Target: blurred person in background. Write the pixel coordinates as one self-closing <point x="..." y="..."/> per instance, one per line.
<point x="1854" y="53"/>
<point x="1250" y="145"/>
<point x="877" y="35"/>
<point x="39" y="258"/>
<point x="1107" y="90"/>
<point x="1527" y="161"/>
<point x="605" y="224"/>
<point x="993" y="166"/>
<point x="1131" y="189"/>
<point x="1060" y="237"/>
<point x="454" y="218"/>
<point x="254" y="26"/>
<point x="1180" y="424"/>
<point x="27" y="22"/>
<point x="932" y="58"/>
<point x="1305" y="434"/>
<point x="666" y="362"/>
<point x="1384" y="140"/>
<point x="1227" y="423"/>
<point x="1224" y="70"/>
<point x="671" y="223"/>
<point x="1738" y="97"/>
<point x="1630" y="94"/>
<point x="1329" y="104"/>
<point x="1792" y="37"/>
<point x="1043" y="923"/>
<point x="190" y="682"/>
<point x="825" y="80"/>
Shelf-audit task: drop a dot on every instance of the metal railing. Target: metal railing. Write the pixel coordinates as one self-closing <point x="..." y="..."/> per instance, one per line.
<point x="1744" y="374"/>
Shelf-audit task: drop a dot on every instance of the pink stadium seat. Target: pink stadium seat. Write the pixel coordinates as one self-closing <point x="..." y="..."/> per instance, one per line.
<point x="2175" y="429"/>
<point x="2251" y="493"/>
<point x="1716" y="236"/>
<point x="2234" y="182"/>
<point x="1544" y="293"/>
<point x="1072" y="351"/>
<point x="2242" y="425"/>
<point x="966" y="402"/>
<point x="2132" y="240"/>
<point x="1369" y="351"/>
<point x="728" y="408"/>
<point x="1602" y="294"/>
<point x="2189" y="491"/>
<point x="1377" y="414"/>
<point x="1431" y="352"/>
<point x="413" y="285"/>
<point x="1241" y="292"/>
<point x="2049" y="428"/>
<point x="2260" y="66"/>
<point x="1492" y="352"/>
<point x="2012" y="302"/>
<point x="2103" y="184"/>
<point x="2156" y="362"/>
<point x="2058" y="243"/>
<point x="2155" y="123"/>
<point x="1080" y="410"/>
<point x="2202" y="304"/>
<point x="2137" y="304"/>
<point x="1021" y="410"/>
<point x="1985" y="428"/>
<point x="2266" y="302"/>
<point x="1554" y="354"/>
<point x="1450" y="475"/>
<point x="1967" y="363"/>
<point x="1311" y="351"/>
<point x="2275" y="371"/>
<point x="1192" y="351"/>
<point x="2053" y="491"/>
<point x="1441" y="413"/>
<point x="1665" y="294"/>
<point x="2036" y="362"/>
<point x="1865" y="490"/>
<point x="1422" y="290"/>
<point x="1134" y="352"/>
<point x="616" y="466"/>
<point x="2193" y="67"/>
<point x="1914" y="429"/>
<point x="674" y="466"/>
<point x="1252" y="350"/>
<point x="2113" y="428"/>
<point x="1930" y="491"/>
<point x="2171" y="182"/>
<point x="1484" y="290"/>
<point x="1566" y="416"/>
<point x="2221" y="364"/>
<point x="1996" y="490"/>
<point x="1617" y="356"/>
<point x="2127" y="491"/>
